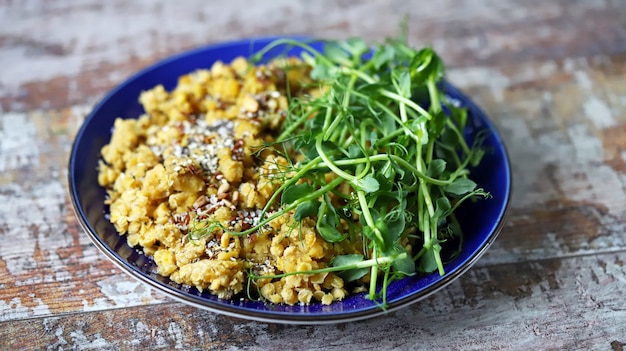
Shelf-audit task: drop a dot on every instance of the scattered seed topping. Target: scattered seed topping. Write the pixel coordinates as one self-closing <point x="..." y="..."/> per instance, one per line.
<point x="246" y="219"/>
<point x="204" y="140"/>
<point x="263" y="268"/>
<point x="214" y="247"/>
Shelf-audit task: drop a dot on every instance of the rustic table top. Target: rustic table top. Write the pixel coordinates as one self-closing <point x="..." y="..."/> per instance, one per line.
<point x="550" y="74"/>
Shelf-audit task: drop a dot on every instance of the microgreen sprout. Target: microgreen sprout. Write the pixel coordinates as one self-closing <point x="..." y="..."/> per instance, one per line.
<point x="383" y="126"/>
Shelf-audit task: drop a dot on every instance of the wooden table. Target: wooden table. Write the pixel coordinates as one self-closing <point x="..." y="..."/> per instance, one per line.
<point x="551" y="74"/>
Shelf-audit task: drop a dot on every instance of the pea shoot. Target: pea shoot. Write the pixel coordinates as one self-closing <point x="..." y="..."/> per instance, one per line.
<point x="383" y="126"/>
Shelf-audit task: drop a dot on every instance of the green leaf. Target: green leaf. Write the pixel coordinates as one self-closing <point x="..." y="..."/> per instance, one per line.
<point x="357" y="46"/>
<point x="459" y="116"/>
<point x="308" y="58"/>
<point x="402" y="261"/>
<point x="460" y="186"/>
<point x="370" y="234"/>
<point x="346" y="260"/>
<point x="400" y="172"/>
<point x="323" y="72"/>
<point x="428" y="263"/>
<point x="418" y="127"/>
<point x="442" y="207"/>
<point x="353" y="274"/>
<point x="327" y="230"/>
<point x="309" y="152"/>
<point x="437" y="124"/>
<point x="327" y="220"/>
<point x="369" y="184"/>
<point x="436" y="168"/>
<point x="391" y="226"/>
<point x="336" y="54"/>
<point x="295" y="192"/>
<point x="306" y="144"/>
<point x="476" y="157"/>
<point x="375" y="214"/>
<point x="455" y="228"/>
<point x="354" y="151"/>
<point x="383" y="56"/>
<point x="426" y="65"/>
<point x="395" y="224"/>
<point x="404" y="265"/>
<point x="404" y="83"/>
<point x="329" y="147"/>
<point x="386" y="177"/>
<point x="372" y="137"/>
<point x="306" y="209"/>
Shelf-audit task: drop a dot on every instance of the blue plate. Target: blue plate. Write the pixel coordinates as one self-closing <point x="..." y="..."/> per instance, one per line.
<point x="481" y="222"/>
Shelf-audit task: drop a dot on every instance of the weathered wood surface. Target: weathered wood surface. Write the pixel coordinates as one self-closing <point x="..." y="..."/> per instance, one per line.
<point x="552" y="76"/>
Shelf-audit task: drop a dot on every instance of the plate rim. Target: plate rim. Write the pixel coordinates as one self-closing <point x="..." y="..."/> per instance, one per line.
<point x="267" y="315"/>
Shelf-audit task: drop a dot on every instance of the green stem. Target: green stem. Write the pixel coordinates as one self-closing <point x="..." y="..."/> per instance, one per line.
<point x="328" y="163"/>
<point x="370" y="263"/>
<point x="290" y="127"/>
<point x="296" y="177"/>
<point x="365" y="212"/>
<point x="374" y="274"/>
<point x="406" y="101"/>
<point x="384" y="140"/>
<point x="314" y="195"/>
<point x="433" y="93"/>
<point x="435" y="107"/>
<point x="341" y="115"/>
<point x="459" y="135"/>
<point x="399" y="160"/>
<point x="329" y="114"/>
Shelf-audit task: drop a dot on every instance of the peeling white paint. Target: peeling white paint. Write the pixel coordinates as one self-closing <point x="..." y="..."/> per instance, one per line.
<point x="176" y="332"/>
<point x="587" y="148"/>
<point x="531" y="154"/>
<point x="141" y="333"/>
<point x="60" y="340"/>
<point x="546" y="69"/>
<point x="17" y="149"/>
<point x="583" y="176"/>
<point x="41" y="309"/>
<point x="120" y="291"/>
<point x="123" y="291"/>
<point x="536" y="315"/>
<point x="96" y="304"/>
<point x="601" y="183"/>
<point x="91" y="342"/>
<point x="605" y="242"/>
<point x="583" y="81"/>
<point x="30" y="215"/>
<point x="15" y="309"/>
<point x="553" y="243"/>
<point x="169" y="26"/>
<point x="598" y="113"/>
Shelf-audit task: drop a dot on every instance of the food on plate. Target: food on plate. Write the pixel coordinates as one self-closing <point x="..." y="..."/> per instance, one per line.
<point x="298" y="179"/>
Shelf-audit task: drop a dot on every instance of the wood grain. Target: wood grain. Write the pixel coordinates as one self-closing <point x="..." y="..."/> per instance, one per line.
<point x="75" y="51"/>
<point x="551" y="75"/>
<point x="525" y="306"/>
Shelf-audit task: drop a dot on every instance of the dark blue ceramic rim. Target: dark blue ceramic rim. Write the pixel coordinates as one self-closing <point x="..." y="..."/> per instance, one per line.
<point x="481" y="222"/>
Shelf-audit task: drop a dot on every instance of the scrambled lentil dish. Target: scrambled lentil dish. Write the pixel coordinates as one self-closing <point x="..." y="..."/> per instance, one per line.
<point x="196" y="156"/>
